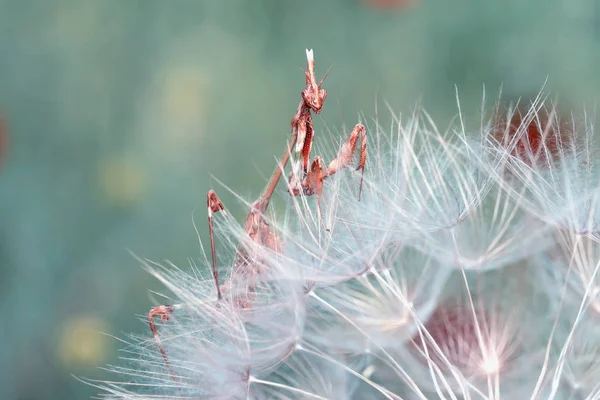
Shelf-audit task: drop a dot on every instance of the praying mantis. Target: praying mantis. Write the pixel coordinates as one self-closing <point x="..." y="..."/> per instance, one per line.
<point x="305" y="179"/>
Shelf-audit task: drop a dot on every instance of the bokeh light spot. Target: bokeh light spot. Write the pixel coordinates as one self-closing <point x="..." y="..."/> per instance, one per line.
<point x="122" y="181"/>
<point x="82" y="341"/>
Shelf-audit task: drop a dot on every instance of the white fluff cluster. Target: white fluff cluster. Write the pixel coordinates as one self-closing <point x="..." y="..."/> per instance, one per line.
<point x="468" y="269"/>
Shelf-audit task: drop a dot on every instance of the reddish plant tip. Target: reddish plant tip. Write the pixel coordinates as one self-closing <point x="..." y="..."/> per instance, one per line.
<point x="537" y="139"/>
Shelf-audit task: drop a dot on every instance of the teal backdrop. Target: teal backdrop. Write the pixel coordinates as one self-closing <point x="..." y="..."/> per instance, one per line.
<point x="119" y="113"/>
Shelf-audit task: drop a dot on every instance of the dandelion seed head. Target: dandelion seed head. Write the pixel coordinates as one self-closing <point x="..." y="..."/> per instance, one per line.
<point x="467" y="268"/>
<point x="473" y="343"/>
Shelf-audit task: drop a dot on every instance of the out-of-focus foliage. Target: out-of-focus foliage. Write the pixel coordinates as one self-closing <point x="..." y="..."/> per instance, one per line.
<point x="120" y="111"/>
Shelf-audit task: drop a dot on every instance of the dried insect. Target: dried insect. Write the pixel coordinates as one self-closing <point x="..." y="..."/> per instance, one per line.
<point x="303" y="179"/>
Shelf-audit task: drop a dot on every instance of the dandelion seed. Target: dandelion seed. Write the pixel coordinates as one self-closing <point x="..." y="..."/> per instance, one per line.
<point x="582" y="361"/>
<point x="476" y="342"/>
<point x="384" y="304"/>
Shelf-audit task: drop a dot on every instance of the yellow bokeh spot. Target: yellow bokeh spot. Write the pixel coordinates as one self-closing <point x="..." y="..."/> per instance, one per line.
<point x="82" y="341"/>
<point x="184" y="94"/>
<point x="122" y="181"/>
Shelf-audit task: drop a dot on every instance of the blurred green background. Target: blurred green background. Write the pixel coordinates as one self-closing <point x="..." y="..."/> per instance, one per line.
<point x="120" y="111"/>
